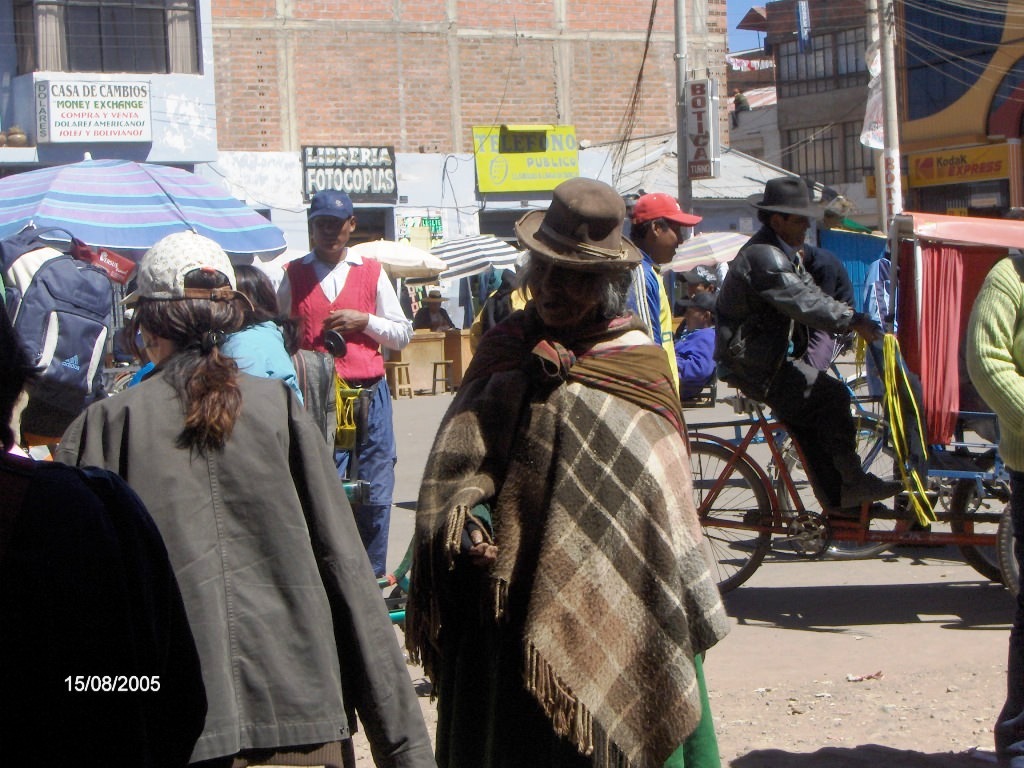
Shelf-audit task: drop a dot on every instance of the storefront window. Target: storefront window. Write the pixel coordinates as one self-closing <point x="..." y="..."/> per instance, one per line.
<point x="151" y="36"/>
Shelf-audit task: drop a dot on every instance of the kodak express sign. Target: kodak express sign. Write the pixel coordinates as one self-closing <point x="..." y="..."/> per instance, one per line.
<point x="959" y="166"/>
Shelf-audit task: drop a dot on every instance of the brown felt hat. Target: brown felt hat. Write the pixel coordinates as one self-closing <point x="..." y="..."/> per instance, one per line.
<point x="581" y="229"/>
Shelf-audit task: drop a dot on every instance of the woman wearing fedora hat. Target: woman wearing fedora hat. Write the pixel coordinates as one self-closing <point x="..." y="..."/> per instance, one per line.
<point x="766" y="305"/>
<point x="560" y="596"/>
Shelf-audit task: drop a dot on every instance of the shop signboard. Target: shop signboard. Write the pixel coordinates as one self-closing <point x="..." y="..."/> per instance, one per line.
<point x="959" y="166"/>
<point x="703" y="158"/>
<point x="367" y="174"/>
<point x="74" y="111"/>
<point x="524" y="158"/>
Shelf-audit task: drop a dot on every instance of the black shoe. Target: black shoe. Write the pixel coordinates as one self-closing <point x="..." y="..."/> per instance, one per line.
<point x="867" y="488"/>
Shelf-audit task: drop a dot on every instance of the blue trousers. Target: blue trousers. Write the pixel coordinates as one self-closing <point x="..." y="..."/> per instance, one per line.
<point x="377" y="456"/>
<point x="1009" y="730"/>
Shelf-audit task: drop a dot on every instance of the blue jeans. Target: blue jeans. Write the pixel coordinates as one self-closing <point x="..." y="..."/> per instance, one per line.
<point x="377" y="456"/>
<point x="1009" y="730"/>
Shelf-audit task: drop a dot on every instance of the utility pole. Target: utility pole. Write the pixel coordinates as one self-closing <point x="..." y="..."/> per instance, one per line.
<point x="685" y="188"/>
<point x="892" y="181"/>
<point x="876" y="154"/>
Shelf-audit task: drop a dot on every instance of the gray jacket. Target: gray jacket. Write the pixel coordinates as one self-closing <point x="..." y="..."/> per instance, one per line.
<point x="291" y="628"/>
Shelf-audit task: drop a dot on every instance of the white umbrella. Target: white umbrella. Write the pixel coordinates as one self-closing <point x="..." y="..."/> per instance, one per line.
<point x="401" y="259"/>
<point x="717" y="247"/>
<point x="465" y="256"/>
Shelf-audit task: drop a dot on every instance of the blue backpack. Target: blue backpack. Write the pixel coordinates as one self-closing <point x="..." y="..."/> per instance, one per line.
<point x="62" y="310"/>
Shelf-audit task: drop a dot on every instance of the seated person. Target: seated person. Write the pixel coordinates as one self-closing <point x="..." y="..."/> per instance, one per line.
<point x="700" y="279"/>
<point x="695" y="345"/>
<point x="829" y="274"/>
<point x="432" y="316"/>
<point x="765" y="305"/>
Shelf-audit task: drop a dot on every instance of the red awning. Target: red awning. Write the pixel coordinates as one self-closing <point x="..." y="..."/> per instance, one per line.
<point x="1002" y="233"/>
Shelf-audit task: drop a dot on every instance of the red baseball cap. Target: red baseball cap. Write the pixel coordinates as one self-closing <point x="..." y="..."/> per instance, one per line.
<point x="658" y="205"/>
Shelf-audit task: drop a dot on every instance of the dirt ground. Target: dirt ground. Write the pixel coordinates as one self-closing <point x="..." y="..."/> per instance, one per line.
<point x="794" y="685"/>
<point x="899" y="661"/>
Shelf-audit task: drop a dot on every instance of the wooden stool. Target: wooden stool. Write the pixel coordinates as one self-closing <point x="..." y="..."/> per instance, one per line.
<point x="445" y="375"/>
<point x="399" y="382"/>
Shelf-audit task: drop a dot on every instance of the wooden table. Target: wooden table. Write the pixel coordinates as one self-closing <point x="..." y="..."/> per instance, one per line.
<point x="425" y="349"/>
<point x="457" y="349"/>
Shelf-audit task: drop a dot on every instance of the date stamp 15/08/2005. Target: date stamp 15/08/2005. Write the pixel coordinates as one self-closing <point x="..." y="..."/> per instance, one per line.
<point x="112" y="683"/>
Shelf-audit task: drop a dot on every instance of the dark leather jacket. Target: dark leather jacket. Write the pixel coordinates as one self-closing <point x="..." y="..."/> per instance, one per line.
<point x="762" y="306"/>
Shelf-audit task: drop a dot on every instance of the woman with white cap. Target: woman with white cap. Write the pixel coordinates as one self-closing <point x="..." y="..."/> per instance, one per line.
<point x="292" y="633"/>
<point x="560" y="596"/>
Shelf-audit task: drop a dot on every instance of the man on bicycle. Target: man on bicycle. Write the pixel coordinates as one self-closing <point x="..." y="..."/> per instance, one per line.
<point x="765" y="306"/>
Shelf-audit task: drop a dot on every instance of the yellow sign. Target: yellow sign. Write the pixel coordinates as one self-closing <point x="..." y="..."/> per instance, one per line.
<point x="959" y="166"/>
<point x="524" y="158"/>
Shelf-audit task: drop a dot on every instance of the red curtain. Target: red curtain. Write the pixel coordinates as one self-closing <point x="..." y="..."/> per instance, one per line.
<point x="951" y="278"/>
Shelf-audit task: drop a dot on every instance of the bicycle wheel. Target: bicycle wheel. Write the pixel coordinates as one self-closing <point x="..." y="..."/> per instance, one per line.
<point x="731" y="515"/>
<point x="962" y="508"/>
<point x="1007" y="557"/>
<point x="863" y="400"/>
<point x="876" y="457"/>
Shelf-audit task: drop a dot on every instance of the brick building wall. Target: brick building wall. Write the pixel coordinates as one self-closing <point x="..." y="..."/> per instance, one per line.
<point x="419" y="74"/>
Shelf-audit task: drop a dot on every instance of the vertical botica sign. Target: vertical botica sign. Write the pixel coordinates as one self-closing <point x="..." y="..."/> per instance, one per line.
<point x="367" y="174"/>
<point x="703" y="158"/>
<point x="524" y="158"/>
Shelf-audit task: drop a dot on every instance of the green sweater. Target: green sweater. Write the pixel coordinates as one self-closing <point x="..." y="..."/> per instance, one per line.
<point x="995" y="355"/>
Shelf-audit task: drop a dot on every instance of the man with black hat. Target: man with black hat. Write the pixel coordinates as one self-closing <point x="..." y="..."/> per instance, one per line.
<point x="765" y="305"/>
<point x="333" y="289"/>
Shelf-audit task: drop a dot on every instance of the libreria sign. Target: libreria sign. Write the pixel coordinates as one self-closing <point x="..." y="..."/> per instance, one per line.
<point x="367" y="174"/>
<point x="82" y="111"/>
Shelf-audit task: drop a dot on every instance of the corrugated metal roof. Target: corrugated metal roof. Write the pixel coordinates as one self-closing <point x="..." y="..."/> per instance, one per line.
<point x="650" y="165"/>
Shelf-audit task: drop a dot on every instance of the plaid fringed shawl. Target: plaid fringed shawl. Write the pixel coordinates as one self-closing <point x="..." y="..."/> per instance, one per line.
<point x="579" y="451"/>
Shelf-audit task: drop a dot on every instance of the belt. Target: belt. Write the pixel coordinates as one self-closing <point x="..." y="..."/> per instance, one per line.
<point x="363" y="383"/>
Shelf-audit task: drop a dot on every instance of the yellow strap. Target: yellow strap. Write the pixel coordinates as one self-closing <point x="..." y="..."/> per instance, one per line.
<point x="895" y="379"/>
<point x="344" y="403"/>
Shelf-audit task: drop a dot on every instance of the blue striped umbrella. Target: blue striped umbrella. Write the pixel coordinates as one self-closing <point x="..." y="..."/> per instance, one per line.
<point x="467" y="256"/>
<point x="129" y="206"/>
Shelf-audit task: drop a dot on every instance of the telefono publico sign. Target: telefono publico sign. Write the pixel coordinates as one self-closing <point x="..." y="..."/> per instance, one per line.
<point x="524" y="158"/>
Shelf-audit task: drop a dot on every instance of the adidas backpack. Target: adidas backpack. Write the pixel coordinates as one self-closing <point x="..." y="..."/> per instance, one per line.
<point x="62" y="310"/>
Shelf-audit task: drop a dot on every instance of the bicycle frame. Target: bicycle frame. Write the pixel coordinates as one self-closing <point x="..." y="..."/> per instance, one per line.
<point x="760" y="428"/>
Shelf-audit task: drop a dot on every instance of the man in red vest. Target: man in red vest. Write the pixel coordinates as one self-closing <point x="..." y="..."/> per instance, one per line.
<point x="330" y="289"/>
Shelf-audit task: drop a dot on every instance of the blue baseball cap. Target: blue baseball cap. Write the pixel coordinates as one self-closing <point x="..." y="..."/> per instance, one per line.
<point x="330" y="202"/>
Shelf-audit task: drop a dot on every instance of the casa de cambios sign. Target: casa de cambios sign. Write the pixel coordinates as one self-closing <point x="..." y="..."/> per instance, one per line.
<point x="524" y="158"/>
<point x="959" y="166"/>
<point x="703" y="159"/>
<point x="70" y="111"/>
<point x="367" y="174"/>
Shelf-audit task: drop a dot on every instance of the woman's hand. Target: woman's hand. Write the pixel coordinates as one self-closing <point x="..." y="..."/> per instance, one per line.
<point x="481" y="552"/>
